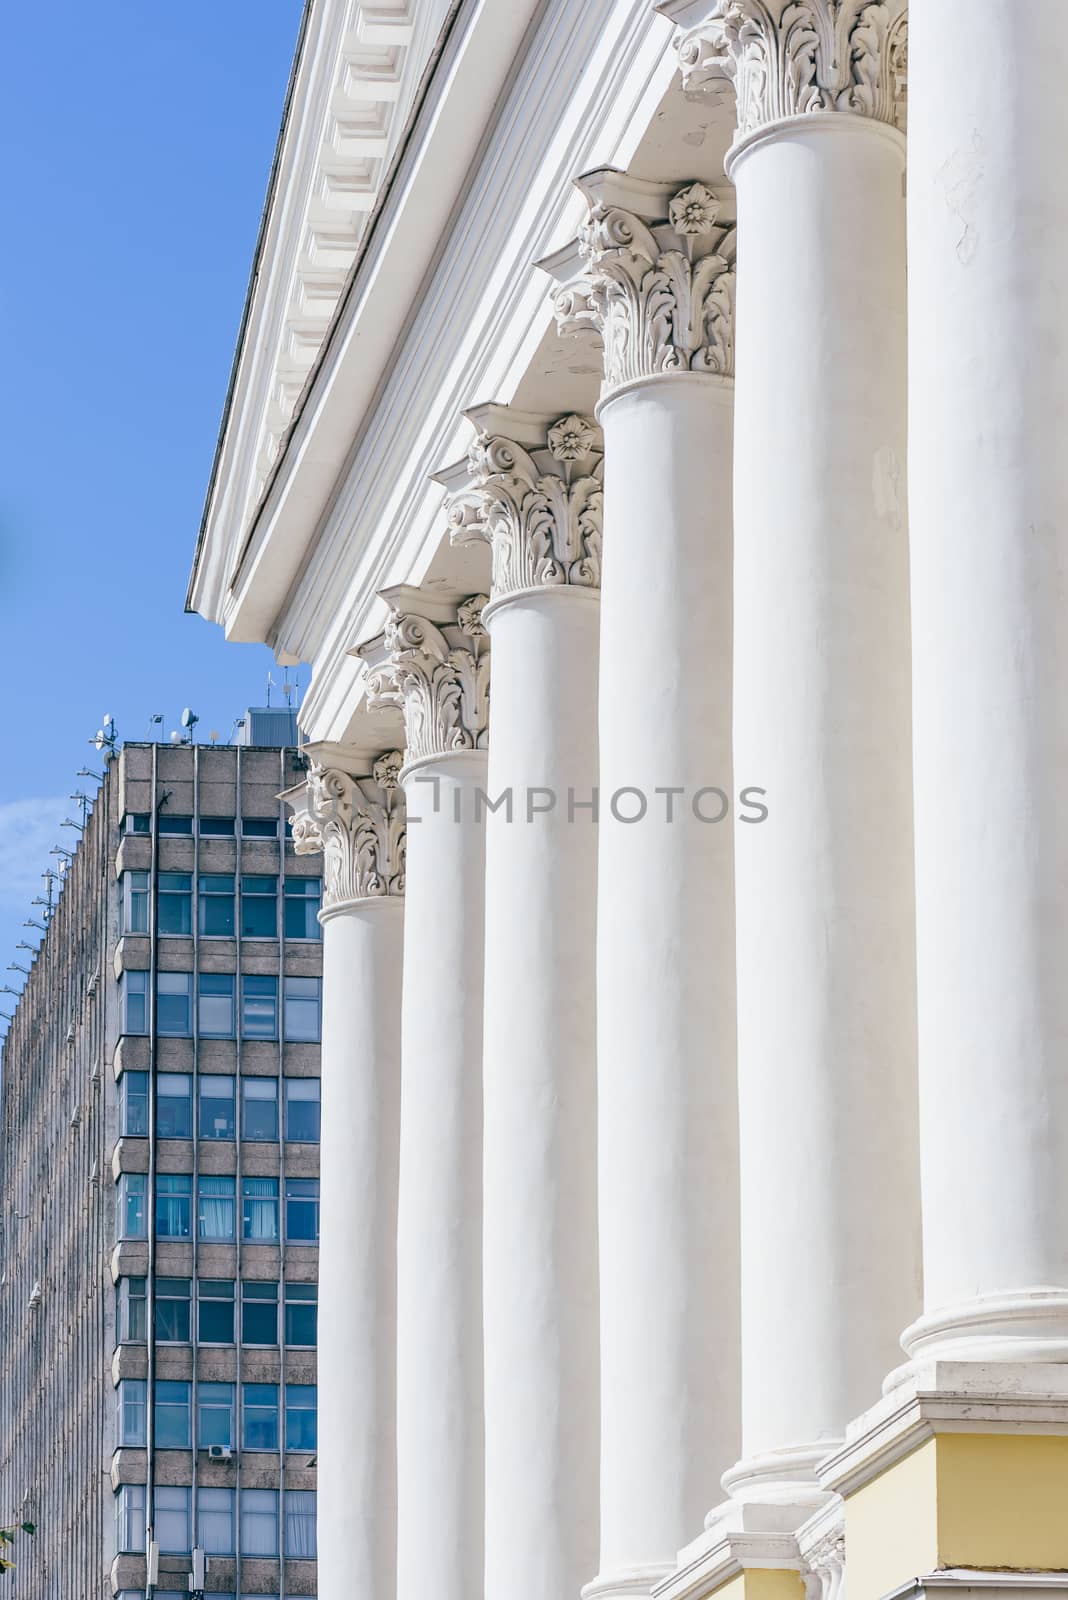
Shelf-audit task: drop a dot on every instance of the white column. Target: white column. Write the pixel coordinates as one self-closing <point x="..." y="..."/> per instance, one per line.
<point x="538" y="499"/>
<point x="660" y="288"/>
<point x="826" y="989"/>
<point x="988" y="482"/>
<point x="358" y="823"/>
<point x="437" y="672"/>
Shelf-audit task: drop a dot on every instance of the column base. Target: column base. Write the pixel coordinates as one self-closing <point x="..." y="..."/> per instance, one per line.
<point x="1029" y="1325"/>
<point x="631" y="1583"/>
<point x="963" y="1465"/>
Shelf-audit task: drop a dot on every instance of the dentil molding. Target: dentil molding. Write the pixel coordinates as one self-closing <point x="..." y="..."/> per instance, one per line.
<point x="534" y="492"/>
<point x="438" y="676"/>
<point x="792" y="58"/>
<point x="358" y="825"/>
<point x="656" y="282"/>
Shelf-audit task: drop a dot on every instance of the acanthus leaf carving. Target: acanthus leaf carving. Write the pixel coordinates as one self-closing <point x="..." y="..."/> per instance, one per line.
<point x="439" y="677"/>
<point x="661" y="293"/>
<point x="802" y="57"/>
<point x="540" y="509"/>
<point x="358" y="825"/>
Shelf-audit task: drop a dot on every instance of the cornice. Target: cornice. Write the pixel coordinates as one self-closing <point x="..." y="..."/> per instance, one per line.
<point x="354" y="76"/>
<point x="652" y="277"/>
<point x="796" y="58"/>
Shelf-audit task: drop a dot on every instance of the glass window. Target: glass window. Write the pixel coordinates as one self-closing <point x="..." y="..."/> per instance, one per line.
<point x="217" y="827"/>
<point x="135" y="902"/>
<point x="303" y="899"/>
<point x="173" y="1418"/>
<point x="259" y="1108"/>
<point x="301" y="1411"/>
<point x="259" y="1006"/>
<point x="259" y="1522"/>
<point x="137" y="822"/>
<point x="302" y="1315"/>
<point x="132" y="1408"/>
<point x="135" y="1002"/>
<point x="216" y="1107"/>
<point x="302" y="1210"/>
<point x="215" y="1005"/>
<point x="215" y="1413"/>
<point x="302" y="1110"/>
<point x="259" y="827"/>
<point x="216" y="914"/>
<point x="259" y="1210"/>
<point x="215" y="1311"/>
<point x="174" y="1205"/>
<point x="174" y="1104"/>
<point x="171" y="1521"/>
<point x="259" y="1416"/>
<point x="215" y="1208"/>
<point x="130" y="1516"/>
<point x="172" y="824"/>
<point x="134" y="1088"/>
<point x="132" y="1220"/>
<point x="172" y="1310"/>
<point x="303" y="1004"/>
<point x="300" y="1524"/>
<point x="259" y="1313"/>
<point x="174" y="910"/>
<point x="215" y="1521"/>
<point x="132" y="1305"/>
<point x="259" y="907"/>
<point x="174" y="1004"/>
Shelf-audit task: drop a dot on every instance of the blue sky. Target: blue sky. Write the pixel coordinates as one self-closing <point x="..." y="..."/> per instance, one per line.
<point x="137" y="140"/>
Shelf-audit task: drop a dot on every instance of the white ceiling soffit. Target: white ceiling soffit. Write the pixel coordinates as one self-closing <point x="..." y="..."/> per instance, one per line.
<point x="354" y="82"/>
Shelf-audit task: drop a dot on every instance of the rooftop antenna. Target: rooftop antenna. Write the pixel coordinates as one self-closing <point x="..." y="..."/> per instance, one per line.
<point x="87" y="772"/>
<point x="189" y="722"/>
<point x="107" y="736"/>
<point x="22" y="945"/>
<point x="214" y="735"/>
<point x="7" y="989"/>
<point x="154" y="721"/>
<point x="288" y="689"/>
<point x="31" y="922"/>
<point x="66" y="856"/>
<point x="270" y="686"/>
<point x="13" y="966"/>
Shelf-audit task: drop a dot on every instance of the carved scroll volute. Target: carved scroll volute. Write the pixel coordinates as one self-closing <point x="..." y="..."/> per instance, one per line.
<point x="438" y="675"/>
<point x="358" y="824"/>
<point x="791" y="58"/>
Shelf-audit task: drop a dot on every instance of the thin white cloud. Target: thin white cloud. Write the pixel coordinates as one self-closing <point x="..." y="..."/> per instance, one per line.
<point x="28" y="830"/>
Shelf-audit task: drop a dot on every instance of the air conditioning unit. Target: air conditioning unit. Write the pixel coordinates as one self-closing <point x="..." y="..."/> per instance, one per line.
<point x="220" y="1452"/>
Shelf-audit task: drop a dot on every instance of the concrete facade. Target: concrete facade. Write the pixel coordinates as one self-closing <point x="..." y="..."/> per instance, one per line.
<point x="142" y="1210"/>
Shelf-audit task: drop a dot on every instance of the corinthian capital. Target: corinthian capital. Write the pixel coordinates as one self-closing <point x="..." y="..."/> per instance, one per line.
<point x="791" y="58"/>
<point x="655" y="278"/>
<point x="533" y="491"/>
<point x="358" y="824"/>
<point x="437" y="673"/>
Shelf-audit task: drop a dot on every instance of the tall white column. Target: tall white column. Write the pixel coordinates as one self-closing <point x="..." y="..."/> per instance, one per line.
<point x="988" y="483"/>
<point x="437" y="672"/>
<point x="537" y="497"/>
<point x="358" y="824"/>
<point x="826" y="986"/>
<point x="660" y="289"/>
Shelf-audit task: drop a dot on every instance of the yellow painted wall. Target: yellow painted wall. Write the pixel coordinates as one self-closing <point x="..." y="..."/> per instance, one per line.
<point x="1002" y="1500"/>
<point x="960" y="1500"/>
<point x="892" y="1526"/>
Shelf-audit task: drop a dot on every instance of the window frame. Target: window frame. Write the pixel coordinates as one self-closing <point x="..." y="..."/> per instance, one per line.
<point x="134" y="1002"/>
<point x="302" y="1203"/>
<point x="136" y="896"/>
<point x="133" y="1199"/>
<point x="296" y="894"/>
<point x="174" y="899"/>
<point x="315" y="1099"/>
<point x="211" y="898"/>
<point x="264" y="1497"/>
<point x="169" y="989"/>
<point x="183" y="1312"/>
<point x="169" y="1188"/>
<point x="220" y="1198"/>
<point x="210" y="1406"/>
<point x="302" y="998"/>
<point x="134" y="1080"/>
<point x="260" y="1407"/>
<point x="297" y="1407"/>
<point x="261" y="986"/>
<point x="255" y="900"/>
<point x="208" y="1294"/>
<point x="249" y="1297"/>
<point x="300" y="1302"/>
<point x="217" y="1099"/>
<point x="260" y="1091"/>
<point x="161" y="1515"/>
<point x="131" y="1396"/>
<point x="225" y="988"/>
<point x="304" y="1512"/>
<point x="218" y="1492"/>
<point x="265" y="1197"/>
<point x="173" y="1399"/>
<point x="130" y="1503"/>
<point x="176" y="1105"/>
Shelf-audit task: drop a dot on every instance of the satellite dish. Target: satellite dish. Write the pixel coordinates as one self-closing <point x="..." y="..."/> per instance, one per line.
<point x="176" y="737"/>
<point x="100" y="741"/>
<point x="189" y="718"/>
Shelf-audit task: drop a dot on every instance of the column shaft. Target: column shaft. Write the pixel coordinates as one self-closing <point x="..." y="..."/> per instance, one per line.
<point x="988" y="478"/>
<point x="666" y="1082"/>
<point x="439" y="1238"/>
<point x="362" y="954"/>
<point x="826" y="1009"/>
<point x="540" y="1268"/>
